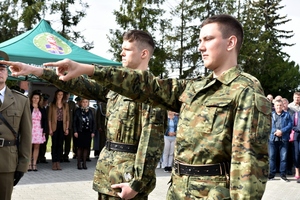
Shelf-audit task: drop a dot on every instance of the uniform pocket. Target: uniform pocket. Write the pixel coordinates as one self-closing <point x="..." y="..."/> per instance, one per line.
<point x="123" y="172"/>
<point x="204" y="187"/>
<point x="13" y="117"/>
<point x="218" y="112"/>
<point x="261" y="118"/>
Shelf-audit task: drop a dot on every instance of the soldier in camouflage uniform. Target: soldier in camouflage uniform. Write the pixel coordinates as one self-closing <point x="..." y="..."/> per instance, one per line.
<point x="222" y="137"/>
<point x="221" y="147"/>
<point x="135" y="131"/>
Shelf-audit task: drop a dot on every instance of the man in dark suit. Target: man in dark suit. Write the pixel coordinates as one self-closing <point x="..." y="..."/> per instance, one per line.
<point x="77" y="105"/>
<point x="43" y="147"/>
<point x="101" y="126"/>
<point x="14" y="154"/>
<point x="67" y="138"/>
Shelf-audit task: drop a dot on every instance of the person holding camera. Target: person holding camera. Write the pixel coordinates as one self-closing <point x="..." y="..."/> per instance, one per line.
<point x="279" y="139"/>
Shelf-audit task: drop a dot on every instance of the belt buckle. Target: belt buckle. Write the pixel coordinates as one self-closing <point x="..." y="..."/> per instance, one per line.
<point x="2" y="142"/>
<point x="108" y="145"/>
<point x="177" y="167"/>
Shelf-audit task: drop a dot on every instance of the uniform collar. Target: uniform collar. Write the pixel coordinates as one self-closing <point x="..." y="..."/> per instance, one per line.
<point x="3" y="90"/>
<point x="228" y="76"/>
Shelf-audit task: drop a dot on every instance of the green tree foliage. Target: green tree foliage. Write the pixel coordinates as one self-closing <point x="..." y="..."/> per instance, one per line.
<point x="19" y="16"/>
<point x="32" y="13"/>
<point x="8" y="20"/>
<point x="71" y="19"/>
<point x="262" y="54"/>
<point x="142" y="15"/>
<point x="184" y="36"/>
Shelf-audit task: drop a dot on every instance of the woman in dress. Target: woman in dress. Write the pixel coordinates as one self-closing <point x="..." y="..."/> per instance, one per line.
<point x="84" y="129"/>
<point x="58" y="118"/>
<point x="38" y="124"/>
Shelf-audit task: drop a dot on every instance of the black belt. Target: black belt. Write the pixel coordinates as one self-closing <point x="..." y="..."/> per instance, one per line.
<point x="201" y="170"/>
<point x="129" y="148"/>
<point x="4" y="142"/>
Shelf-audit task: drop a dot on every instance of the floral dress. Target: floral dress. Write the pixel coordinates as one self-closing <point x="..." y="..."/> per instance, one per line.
<point x="37" y="131"/>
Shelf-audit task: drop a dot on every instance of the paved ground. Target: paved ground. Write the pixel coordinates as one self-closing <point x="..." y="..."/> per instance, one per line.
<point x="72" y="184"/>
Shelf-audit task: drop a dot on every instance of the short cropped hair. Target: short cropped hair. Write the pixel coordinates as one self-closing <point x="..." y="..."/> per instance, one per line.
<point x="228" y="26"/>
<point x="143" y="39"/>
<point x="297" y="93"/>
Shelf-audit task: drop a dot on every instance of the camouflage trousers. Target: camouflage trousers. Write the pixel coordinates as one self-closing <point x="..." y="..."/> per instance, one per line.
<point x="198" y="187"/>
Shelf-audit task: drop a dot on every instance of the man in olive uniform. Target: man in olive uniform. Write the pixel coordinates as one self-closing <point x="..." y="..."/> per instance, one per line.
<point x="14" y="158"/>
<point x="221" y="147"/>
<point x="135" y="131"/>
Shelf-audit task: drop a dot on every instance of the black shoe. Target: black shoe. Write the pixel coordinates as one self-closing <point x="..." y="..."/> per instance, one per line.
<point x="271" y="177"/>
<point x="166" y="169"/>
<point x="29" y="168"/>
<point x="84" y="166"/>
<point x="34" y="168"/>
<point x="283" y="178"/>
<point x="79" y="166"/>
<point x="169" y="169"/>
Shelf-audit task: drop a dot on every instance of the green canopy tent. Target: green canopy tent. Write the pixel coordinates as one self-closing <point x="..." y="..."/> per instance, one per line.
<point x="43" y="44"/>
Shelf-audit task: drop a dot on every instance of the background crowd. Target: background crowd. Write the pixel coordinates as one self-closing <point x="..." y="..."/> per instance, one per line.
<point x="71" y="126"/>
<point x="284" y="138"/>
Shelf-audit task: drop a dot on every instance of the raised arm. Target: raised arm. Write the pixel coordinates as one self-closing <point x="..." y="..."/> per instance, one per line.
<point x="81" y="86"/>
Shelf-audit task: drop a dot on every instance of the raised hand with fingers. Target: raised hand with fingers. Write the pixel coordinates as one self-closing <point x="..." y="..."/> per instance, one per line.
<point x="67" y="69"/>
<point x="22" y="69"/>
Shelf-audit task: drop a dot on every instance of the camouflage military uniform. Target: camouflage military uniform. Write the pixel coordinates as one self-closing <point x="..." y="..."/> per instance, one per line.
<point x="127" y="122"/>
<point x="227" y="119"/>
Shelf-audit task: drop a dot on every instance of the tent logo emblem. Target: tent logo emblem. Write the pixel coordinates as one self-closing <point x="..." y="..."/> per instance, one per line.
<point x="52" y="44"/>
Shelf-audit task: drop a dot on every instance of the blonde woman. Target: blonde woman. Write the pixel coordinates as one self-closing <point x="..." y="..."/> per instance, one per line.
<point x="84" y="129"/>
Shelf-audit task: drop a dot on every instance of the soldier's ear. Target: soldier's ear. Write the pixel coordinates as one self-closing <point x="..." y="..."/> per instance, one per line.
<point x="232" y="40"/>
<point x="145" y="53"/>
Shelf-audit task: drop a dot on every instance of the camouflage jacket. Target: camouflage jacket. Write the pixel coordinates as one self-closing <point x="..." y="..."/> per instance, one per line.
<point x="227" y="119"/>
<point x="127" y="122"/>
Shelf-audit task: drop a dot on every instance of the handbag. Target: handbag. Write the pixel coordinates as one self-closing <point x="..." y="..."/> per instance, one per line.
<point x="292" y="134"/>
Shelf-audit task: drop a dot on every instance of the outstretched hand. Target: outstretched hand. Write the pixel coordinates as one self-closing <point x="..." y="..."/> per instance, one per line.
<point x="20" y="69"/>
<point x="126" y="191"/>
<point x="67" y="69"/>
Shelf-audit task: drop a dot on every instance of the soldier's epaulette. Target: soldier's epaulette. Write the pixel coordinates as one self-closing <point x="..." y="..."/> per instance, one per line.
<point x="18" y="92"/>
<point x="250" y="77"/>
<point x="256" y="84"/>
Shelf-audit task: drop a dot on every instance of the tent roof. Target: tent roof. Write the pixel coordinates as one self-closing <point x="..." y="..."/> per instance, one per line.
<point x="43" y="44"/>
